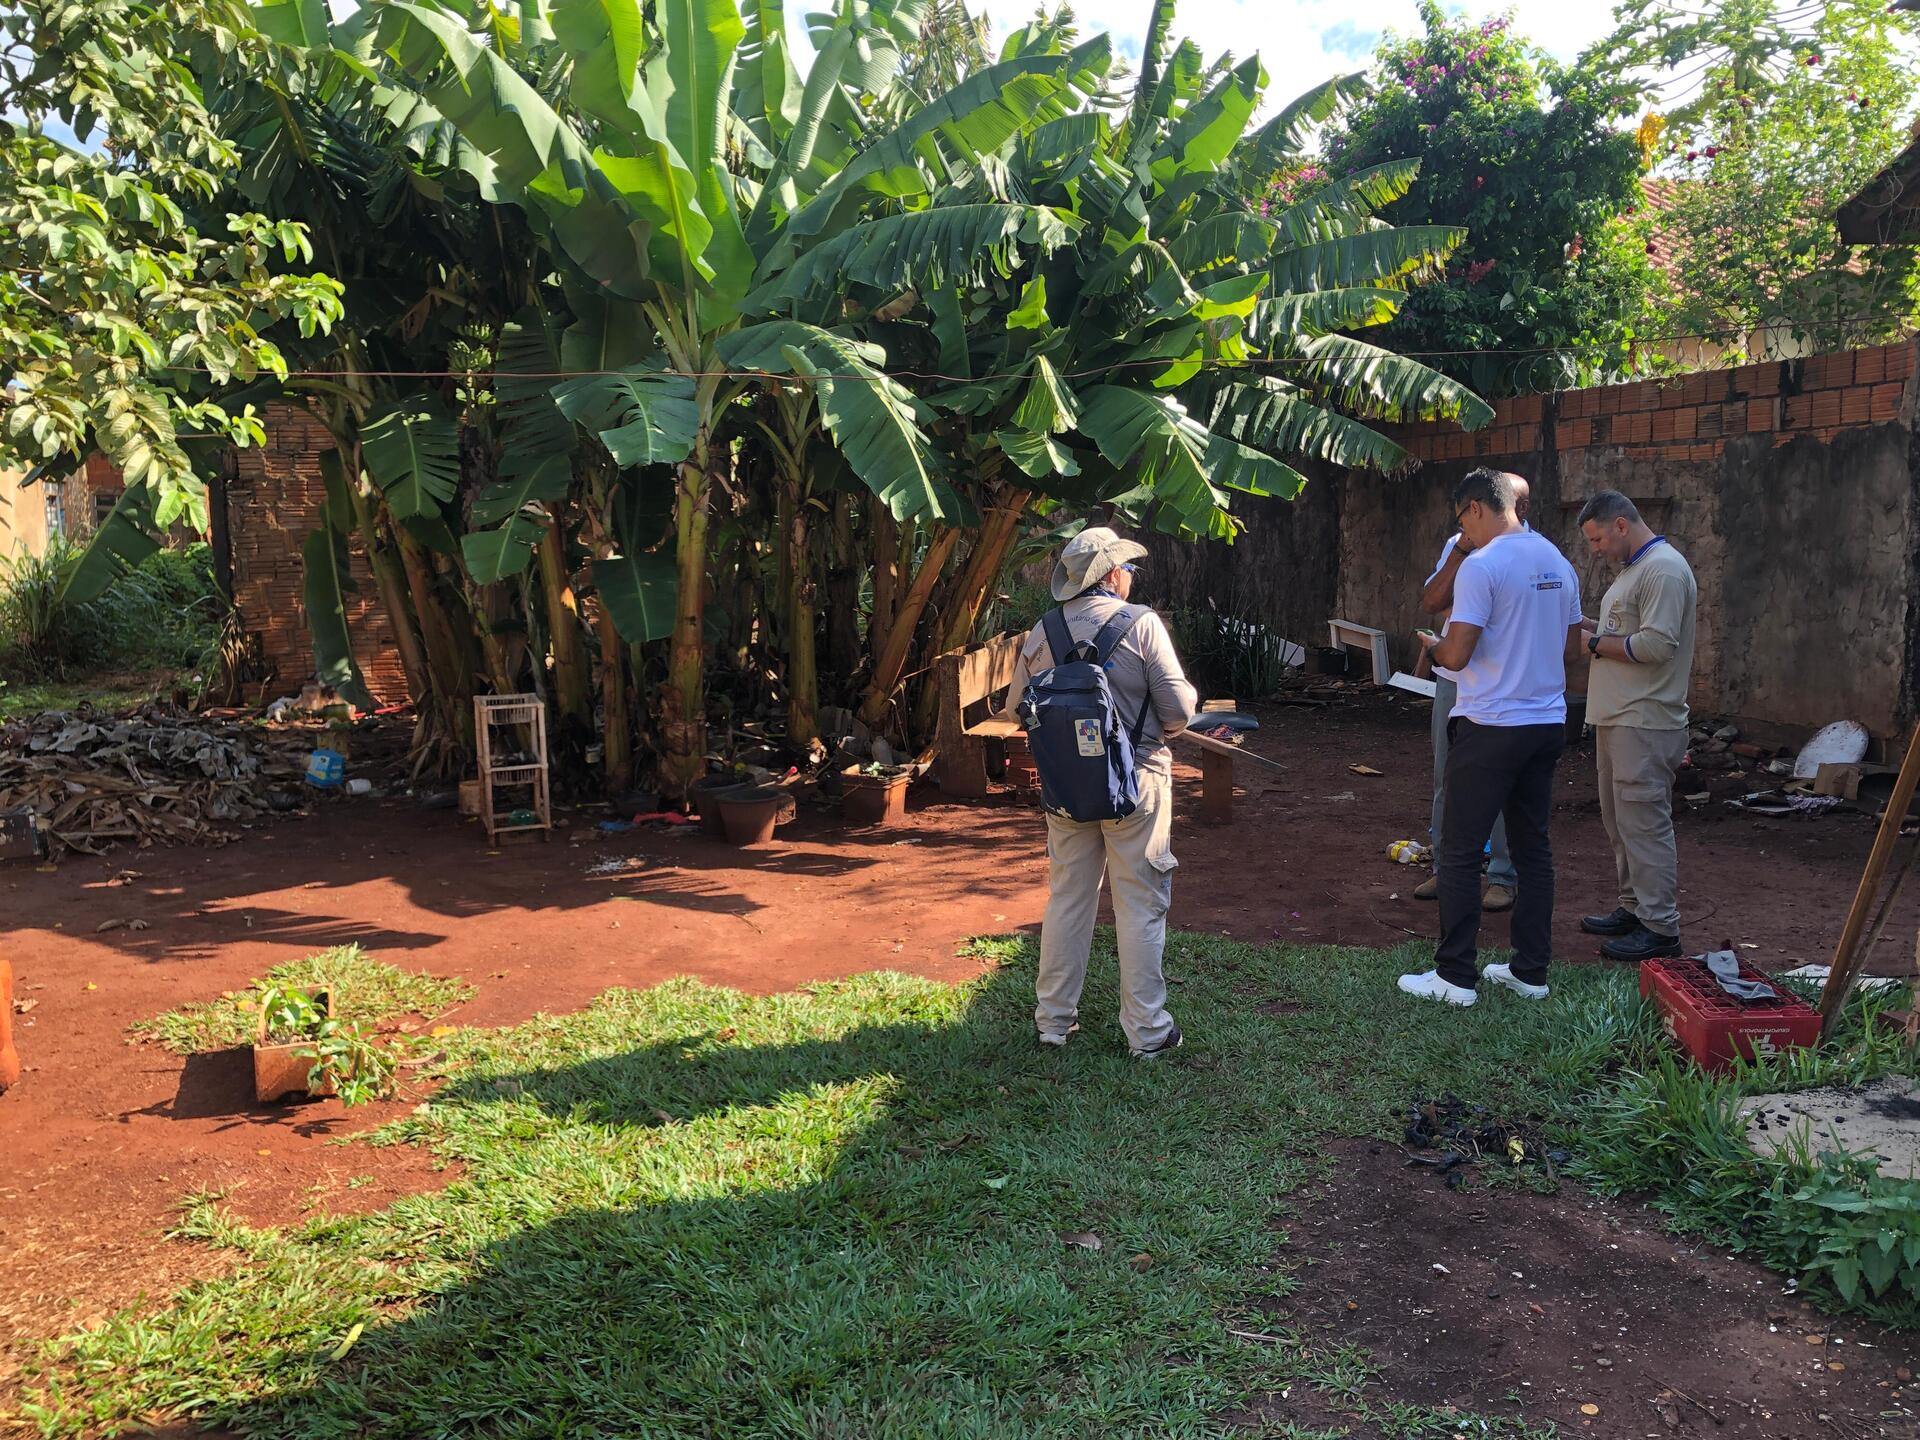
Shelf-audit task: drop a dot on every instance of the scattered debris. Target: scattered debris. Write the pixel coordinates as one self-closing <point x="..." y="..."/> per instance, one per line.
<point x="1448" y="1135"/>
<point x="154" y="776"/>
<point x="616" y="865"/>
<point x="1409" y="852"/>
<point x="1082" y="1240"/>
<point x="1366" y="770"/>
<point x="1881" y="1120"/>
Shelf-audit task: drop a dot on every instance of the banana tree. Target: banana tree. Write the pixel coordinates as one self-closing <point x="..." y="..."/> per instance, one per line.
<point x="1146" y="338"/>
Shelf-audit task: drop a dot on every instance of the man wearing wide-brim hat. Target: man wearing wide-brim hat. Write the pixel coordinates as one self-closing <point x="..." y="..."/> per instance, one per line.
<point x="1092" y="580"/>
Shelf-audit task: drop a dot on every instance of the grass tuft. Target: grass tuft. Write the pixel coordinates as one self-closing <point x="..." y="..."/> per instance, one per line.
<point x="364" y="989"/>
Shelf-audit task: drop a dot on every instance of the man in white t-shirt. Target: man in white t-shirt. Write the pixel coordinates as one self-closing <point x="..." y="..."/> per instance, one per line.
<point x="1436" y="598"/>
<point x="1515" y="626"/>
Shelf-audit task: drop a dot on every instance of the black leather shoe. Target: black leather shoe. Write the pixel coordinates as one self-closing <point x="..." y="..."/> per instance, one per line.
<point x="1642" y="944"/>
<point x="1620" y="922"/>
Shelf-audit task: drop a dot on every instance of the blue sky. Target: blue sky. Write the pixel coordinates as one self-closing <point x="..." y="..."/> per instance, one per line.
<point x="1302" y="42"/>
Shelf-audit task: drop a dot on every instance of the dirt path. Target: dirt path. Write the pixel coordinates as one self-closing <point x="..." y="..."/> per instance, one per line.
<point x="103" y="1137"/>
<point x="1503" y="1302"/>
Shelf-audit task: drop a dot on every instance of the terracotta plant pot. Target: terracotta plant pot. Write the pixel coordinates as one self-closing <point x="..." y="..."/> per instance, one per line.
<point x="9" y="1057"/>
<point x="705" y="796"/>
<point x="280" y="1070"/>
<point x="750" y="813"/>
<point x="874" y="799"/>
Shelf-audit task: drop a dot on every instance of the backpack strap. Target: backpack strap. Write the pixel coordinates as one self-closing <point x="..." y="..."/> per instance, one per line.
<point x="1108" y="641"/>
<point x="1059" y="638"/>
<point x="1116" y="630"/>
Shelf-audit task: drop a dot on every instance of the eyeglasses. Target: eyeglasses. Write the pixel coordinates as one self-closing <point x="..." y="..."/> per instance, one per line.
<point x="1130" y="569"/>
<point x="1460" y="519"/>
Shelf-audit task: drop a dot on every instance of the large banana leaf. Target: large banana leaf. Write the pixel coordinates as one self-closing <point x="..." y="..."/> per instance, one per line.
<point x="1188" y="467"/>
<point x="493" y="555"/>
<point x="1277" y="141"/>
<point x="605" y="40"/>
<point x="972" y="120"/>
<point x="641" y="593"/>
<point x="641" y="414"/>
<point x="1037" y="453"/>
<point x="600" y="218"/>
<point x="1233" y="239"/>
<point x="126" y="537"/>
<point x="874" y="420"/>
<point x="1271" y="415"/>
<point x="1152" y="61"/>
<point x="934" y="247"/>
<point x="1049" y="406"/>
<point x="767" y="85"/>
<point x="696" y="63"/>
<point x="328" y="583"/>
<point x="412" y="450"/>
<point x="1207" y="132"/>
<point x="1379" y="256"/>
<point x="1370" y="381"/>
<point x="1284" y="321"/>
<point x="301" y="23"/>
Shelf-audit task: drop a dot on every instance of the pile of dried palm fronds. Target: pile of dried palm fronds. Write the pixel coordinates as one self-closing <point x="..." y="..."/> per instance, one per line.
<point x="155" y="776"/>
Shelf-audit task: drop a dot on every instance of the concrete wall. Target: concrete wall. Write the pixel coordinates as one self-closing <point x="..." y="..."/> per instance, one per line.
<point x="1791" y="487"/>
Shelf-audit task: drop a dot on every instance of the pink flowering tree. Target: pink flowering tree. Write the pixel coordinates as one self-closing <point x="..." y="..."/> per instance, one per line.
<point x="1522" y="152"/>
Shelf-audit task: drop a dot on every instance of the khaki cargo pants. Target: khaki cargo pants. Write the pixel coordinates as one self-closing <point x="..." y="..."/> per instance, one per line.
<point x="1137" y="855"/>
<point x="1636" y="805"/>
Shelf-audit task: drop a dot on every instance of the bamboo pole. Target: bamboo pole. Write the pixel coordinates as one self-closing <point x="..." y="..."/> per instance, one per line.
<point x="1847" y="954"/>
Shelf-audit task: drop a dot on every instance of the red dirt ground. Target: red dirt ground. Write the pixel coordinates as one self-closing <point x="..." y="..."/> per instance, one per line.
<point x="102" y="1137"/>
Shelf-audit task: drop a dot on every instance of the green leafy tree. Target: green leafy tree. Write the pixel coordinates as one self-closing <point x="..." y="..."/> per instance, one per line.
<point x="1518" y="150"/>
<point x="126" y="303"/>
<point x="1787" y="115"/>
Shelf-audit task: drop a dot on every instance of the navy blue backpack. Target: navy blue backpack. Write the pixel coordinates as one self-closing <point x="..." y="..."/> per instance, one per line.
<point x="1084" y="757"/>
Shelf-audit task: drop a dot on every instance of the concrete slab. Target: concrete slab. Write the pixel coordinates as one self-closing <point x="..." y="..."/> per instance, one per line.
<point x="1881" y="1120"/>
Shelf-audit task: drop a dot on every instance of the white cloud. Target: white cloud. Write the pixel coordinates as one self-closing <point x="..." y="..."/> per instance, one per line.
<point x="1303" y="42"/>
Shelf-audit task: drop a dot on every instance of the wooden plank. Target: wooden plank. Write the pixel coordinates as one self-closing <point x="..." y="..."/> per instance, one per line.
<point x="1847" y="954"/>
<point x="1216" y="787"/>
<point x="960" y="765"/>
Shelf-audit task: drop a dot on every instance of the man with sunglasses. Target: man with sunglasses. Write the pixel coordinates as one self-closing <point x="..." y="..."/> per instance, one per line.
<point x="1093" y="580"/>
<point x="1516" y="626"/>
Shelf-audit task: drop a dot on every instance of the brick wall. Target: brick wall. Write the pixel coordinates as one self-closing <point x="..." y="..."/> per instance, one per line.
<point x="273" y="504"/>
<point x="1790" y="486"/>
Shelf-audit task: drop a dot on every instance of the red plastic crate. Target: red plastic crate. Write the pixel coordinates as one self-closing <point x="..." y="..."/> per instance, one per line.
<point x="1712" y="1026"/>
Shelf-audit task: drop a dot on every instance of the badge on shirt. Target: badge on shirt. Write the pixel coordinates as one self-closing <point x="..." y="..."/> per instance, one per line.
<point x="1091" y="741"/>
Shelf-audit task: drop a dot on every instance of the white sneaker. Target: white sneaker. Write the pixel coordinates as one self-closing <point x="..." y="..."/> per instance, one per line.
<point x="1431" y="987"/>
<point x="1503" y="975"/>
<point x="1057" y="1041"/>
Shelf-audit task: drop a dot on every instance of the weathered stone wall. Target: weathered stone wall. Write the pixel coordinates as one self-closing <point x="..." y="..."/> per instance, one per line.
<point x="1791" y="487"/>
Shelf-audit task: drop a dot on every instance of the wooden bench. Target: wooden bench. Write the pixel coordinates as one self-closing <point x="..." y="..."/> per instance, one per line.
<point x="1342" y="633"/>
<point x="971" y="684"/>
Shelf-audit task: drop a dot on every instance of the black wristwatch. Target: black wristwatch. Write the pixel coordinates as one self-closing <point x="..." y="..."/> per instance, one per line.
<point x="1593" y="644"/>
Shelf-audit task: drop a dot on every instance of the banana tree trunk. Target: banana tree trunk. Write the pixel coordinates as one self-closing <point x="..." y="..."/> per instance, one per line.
<point x="988" y="558"/>
<point x="573" y="683"/>
<point x="886" y="576"/>
<point x="446" y="657"/>
<point x="391" y="582"/>
<point x="683" y="703"/>
<point x="843" y="600"/>
<point x="891" y="661"/>
<point x="803" y="676"/>
<point x="618" y="739"/>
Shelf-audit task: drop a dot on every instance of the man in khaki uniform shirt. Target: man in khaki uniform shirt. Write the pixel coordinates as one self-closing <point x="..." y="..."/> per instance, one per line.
<point x="1642" y="653"/>
<point x="1092" y="580"/>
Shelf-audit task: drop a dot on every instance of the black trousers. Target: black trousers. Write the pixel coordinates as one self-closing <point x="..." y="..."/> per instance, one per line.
<point x="1496" y="770"/>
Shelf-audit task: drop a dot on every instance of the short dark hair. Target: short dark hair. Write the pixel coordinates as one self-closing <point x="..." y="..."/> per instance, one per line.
<point x="1607" y="506"/>
<point x="1492" y="488"/>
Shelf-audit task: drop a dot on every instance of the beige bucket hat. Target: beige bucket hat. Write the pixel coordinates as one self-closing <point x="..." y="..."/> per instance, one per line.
<point x="1090" y="557"/>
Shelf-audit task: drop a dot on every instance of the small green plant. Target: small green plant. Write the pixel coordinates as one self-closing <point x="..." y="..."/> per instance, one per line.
<point x="1860" y="1233"/>
<point x="344" y="1052"/>
<point x="366" y="990"/>
<point x="1228" y="654"/>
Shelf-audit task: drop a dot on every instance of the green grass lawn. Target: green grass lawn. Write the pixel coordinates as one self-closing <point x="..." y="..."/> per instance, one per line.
<point x="109" y="694"/>
<point x="688" y="1212"/>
